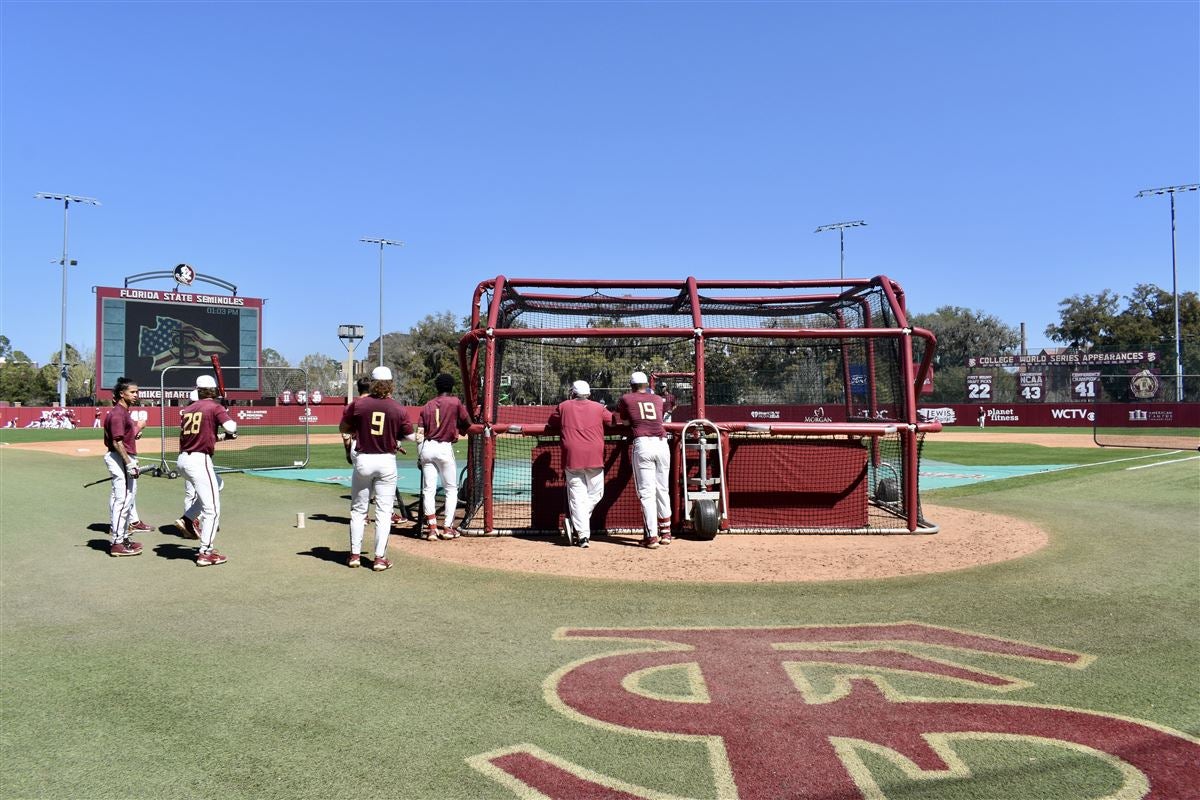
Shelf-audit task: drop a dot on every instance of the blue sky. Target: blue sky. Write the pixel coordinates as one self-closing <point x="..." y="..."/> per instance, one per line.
<point x="994" y="150"/>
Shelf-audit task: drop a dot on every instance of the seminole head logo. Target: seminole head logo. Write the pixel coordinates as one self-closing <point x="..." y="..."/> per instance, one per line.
<point x="816" y="712"/>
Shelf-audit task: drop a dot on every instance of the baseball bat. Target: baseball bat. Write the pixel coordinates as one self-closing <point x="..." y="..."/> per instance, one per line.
<point x="216" y="362"/>
<point x="105" y="479"/>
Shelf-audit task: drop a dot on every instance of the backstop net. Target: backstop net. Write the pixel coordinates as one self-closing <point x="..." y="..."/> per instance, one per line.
<point x="806" y="391"/>
<point x="270" y="436"/>
<point x="1143" y="408"/>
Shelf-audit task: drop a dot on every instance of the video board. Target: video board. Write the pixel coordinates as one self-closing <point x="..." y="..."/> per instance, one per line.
<point x="141" y="332"/>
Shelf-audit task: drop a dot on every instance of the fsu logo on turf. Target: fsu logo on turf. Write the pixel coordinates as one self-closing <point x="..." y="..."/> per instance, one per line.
<point x="814" y="711"/>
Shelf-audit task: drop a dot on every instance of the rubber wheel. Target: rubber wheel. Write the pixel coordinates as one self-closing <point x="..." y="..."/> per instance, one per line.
<point x="886" y="491"/>
<point x="704" y="518"/>
<point x="156" y="472"/>
<point x="172" y="474"/>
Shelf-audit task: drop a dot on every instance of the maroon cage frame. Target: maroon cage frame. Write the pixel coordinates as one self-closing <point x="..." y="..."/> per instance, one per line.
<point x="485" y="333"/>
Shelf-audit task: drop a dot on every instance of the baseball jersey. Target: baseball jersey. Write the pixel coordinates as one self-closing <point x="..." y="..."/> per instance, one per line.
<point x="444" y="418"/>
<point x="644" y="412"/>
<point x="377" y="423"/>
<point x="120" y="427"/>
<point x="582" y="422"/>
<point x="198" y="426"/>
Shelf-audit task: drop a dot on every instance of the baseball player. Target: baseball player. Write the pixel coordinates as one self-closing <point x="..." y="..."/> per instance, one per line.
<point x="198" y="426"/>
<point x="443" y="419"/>
<point x="378" y="423"/>
<point x="669" y="401"/>
<point x="121" y="433"/>
<point x="582" y="422"/>
<point x="191" y="507"/>
<point x="651" y="457"/>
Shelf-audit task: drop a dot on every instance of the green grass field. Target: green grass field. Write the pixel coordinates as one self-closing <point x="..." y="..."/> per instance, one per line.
<point x="283" y="674"/>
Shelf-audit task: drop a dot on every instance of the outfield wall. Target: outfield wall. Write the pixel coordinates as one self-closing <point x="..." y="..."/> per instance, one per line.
<point x="1024" y="415"/>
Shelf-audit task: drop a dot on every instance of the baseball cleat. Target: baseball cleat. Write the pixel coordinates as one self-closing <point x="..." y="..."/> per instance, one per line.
<point x="650" y="542"/>
<point x="187" y="527"/>
<point x="130" y="543"/>
<point x="210" y="559"/>
<point x="381" y="564"/>
<point x="666" y="538"/>
<point x="448" y="533"/>
<point x="584" y="543"/>
<point x="122" y="549"/>
<point x="139" y="527"/>
<point x="354" y="562"/>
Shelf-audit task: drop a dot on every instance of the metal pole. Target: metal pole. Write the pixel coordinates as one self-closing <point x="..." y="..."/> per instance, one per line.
<point x="842" y="248"/>
<point x="62" y="343"/>
<point x="381" y="304"/>
<point x="1175" y="294"/>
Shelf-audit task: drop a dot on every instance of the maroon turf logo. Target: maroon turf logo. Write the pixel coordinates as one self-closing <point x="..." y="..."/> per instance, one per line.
<point x="813" y="711"/>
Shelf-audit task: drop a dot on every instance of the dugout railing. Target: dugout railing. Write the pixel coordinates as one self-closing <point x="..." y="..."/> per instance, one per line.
<point x="756" y="351"/>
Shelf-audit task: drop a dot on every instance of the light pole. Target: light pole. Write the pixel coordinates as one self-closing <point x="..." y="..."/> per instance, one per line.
<point x="1171" y="190"/>
<point x="350" y="335"/>
<point x="840" y="227"/>
<point x="66" y="199"/>
<point x="382" y="243"/>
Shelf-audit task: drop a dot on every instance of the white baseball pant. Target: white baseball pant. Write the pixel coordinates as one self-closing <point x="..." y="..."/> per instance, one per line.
<point x="372" y="471"/>
<point x="191" y="502"/>
<point x="651" y="469"/>
<point x="585" y="488"/>
<point x="436" y="460"/>
<point x="122" y="502"/>
<point x="205" y="513"/>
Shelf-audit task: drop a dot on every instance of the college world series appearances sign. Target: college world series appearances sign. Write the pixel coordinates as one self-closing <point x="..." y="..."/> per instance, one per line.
<point x="813" y="711"/>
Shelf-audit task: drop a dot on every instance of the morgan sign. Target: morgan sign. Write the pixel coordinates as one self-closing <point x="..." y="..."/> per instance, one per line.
<point x="803" y="712"/>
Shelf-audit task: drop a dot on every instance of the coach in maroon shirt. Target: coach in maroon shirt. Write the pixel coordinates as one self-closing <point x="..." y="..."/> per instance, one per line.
<point x="582" y="422"/>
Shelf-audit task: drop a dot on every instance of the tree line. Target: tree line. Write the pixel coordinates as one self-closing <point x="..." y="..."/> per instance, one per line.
<point x="1142" y="320"/>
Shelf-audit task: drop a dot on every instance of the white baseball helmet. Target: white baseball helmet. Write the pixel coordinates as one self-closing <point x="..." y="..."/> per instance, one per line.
<point x="206" y="382"/>
<point x="581" y="389"/>
<point x="639" y="379"/>
<point x="381" y="374"/>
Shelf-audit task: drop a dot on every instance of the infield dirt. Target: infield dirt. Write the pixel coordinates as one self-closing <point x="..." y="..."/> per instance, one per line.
<point x="965" y="539"/>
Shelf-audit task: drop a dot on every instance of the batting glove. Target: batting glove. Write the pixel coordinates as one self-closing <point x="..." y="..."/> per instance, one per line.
<point x="131" y="469"/>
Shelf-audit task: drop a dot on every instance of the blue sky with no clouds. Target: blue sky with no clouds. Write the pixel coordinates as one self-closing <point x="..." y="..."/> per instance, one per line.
<point x="994" y="150"/>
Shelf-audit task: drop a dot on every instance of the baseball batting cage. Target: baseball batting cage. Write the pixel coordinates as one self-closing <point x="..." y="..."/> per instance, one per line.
<point x="269" y="436"/>
<point x="793" y="403"/>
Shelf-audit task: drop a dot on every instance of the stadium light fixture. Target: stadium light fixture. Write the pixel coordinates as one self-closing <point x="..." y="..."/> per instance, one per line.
<point x="350" y="335"/>
<point x="1172" y="191"/>
<point x="66" y="200"/>
<point x="382" y="244"/>
<point x="840" y="227"/>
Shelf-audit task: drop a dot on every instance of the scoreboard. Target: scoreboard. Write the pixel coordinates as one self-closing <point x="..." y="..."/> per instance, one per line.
<point x="141" y="332"/>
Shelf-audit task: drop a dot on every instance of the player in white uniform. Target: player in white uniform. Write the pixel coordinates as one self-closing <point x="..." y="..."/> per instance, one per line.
<point x="198" y="424"/>
<point x="581" y="421"/>
<point x="121" y="433"/>
<point x="651" y="458"/>
<point x="443" y="420"/>
<point x="378" y="423"/>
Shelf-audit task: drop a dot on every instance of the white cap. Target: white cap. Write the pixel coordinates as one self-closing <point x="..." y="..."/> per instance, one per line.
<point x="581" y="389"/>
<point x="194" y="396"/>
<point x="381" y="374"/>
<point x="639" y="378"/>
<point x="206" y="382"/>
